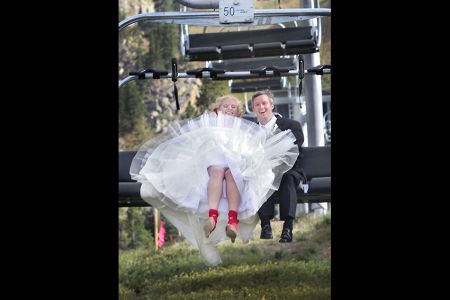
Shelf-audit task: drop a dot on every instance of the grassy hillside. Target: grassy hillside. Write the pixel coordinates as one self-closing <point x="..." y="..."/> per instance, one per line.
<point x="255" y="270"/>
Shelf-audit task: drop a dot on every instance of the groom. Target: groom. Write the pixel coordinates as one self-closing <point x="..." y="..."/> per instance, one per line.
<point x="262" y="104"/>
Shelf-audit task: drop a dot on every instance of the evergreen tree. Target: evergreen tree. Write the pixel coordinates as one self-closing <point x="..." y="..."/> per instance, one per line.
<point x="123" y="236"/>
<point x="135" y="229"/>
<point x="131" y="107"/>
<point x="148" y="45"/>
<point x="210" y="90"/>
<point x="163" y="39"/>
<point x="190" y="112"/>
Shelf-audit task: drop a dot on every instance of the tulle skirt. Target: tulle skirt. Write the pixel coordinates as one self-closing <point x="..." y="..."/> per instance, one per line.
<point x="173" y="170"/>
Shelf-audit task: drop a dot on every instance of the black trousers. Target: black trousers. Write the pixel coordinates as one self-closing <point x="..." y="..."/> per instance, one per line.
<point x="286" y="196"/>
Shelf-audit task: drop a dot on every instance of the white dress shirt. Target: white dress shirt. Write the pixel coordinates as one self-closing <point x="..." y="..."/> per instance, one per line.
<point x="269" y="125"/>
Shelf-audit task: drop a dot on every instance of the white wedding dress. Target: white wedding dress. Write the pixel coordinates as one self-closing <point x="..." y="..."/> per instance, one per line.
<point x="173" y="171"/>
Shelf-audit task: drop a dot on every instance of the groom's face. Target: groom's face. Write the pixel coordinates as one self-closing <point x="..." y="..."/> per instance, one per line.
<point x="263" y="108"/>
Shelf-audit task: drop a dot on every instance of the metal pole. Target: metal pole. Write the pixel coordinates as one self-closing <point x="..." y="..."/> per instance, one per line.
<point x="313" y="95"/>
<point x="312" y="86"/>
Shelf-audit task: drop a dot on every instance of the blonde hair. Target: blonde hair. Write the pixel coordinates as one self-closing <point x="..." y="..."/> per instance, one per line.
<point x="219" y="101"/>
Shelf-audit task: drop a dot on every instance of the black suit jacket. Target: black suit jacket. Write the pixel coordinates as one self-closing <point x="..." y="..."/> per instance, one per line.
<point x="296" y="128"/>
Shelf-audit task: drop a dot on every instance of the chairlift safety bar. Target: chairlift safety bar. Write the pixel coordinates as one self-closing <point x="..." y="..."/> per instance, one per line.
<point x="211" y="18"/>
<point x="225" y="74"/>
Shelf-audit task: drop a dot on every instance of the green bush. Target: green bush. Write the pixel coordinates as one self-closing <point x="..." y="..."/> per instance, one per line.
<point x="254" y="270"/>
<point x="299" y="279"/>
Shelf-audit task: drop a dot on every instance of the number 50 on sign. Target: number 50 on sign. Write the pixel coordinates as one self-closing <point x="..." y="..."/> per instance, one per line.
<point x="236" y="11"/>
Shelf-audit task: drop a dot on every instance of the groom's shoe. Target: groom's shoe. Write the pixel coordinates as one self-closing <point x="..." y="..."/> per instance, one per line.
<point x="286" y="235"/>
<point x="266" y="232"/>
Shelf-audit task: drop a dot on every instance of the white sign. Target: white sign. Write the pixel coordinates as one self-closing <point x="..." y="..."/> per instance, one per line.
<point x="236" y="11"/>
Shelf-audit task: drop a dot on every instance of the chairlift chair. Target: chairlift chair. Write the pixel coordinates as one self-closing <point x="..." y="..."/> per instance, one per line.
<point x="251" y="43"/>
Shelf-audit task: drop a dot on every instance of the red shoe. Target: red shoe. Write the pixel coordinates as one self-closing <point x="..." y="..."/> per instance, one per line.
<point x="210" y="224"/>
<point x="231" y="231"/>
<point x="232" y="228"/>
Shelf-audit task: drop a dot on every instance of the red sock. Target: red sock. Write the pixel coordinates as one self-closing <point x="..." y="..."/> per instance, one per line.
<point x="214" y="213"/>
<point x="232" y="217"/>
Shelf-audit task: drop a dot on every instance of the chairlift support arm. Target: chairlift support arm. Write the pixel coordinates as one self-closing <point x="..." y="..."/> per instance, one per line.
<point x="127" y="79"/>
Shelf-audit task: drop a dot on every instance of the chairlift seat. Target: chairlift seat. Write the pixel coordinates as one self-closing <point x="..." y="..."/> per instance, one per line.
<point x="251" y="43"/>
<point x="255" y="85"/>
<point x="316" y="165"/>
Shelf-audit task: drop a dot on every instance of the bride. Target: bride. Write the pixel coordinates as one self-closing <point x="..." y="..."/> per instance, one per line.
<point x="211" y="167"/>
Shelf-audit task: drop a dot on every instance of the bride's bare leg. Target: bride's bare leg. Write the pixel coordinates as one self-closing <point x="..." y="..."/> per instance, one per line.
<point x="215" y="189"/>
<point x="215" y="186"/>
<point x="234" y="199"/>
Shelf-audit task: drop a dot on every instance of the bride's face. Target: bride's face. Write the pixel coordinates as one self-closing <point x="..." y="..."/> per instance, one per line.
<point x="229" y="107"/>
